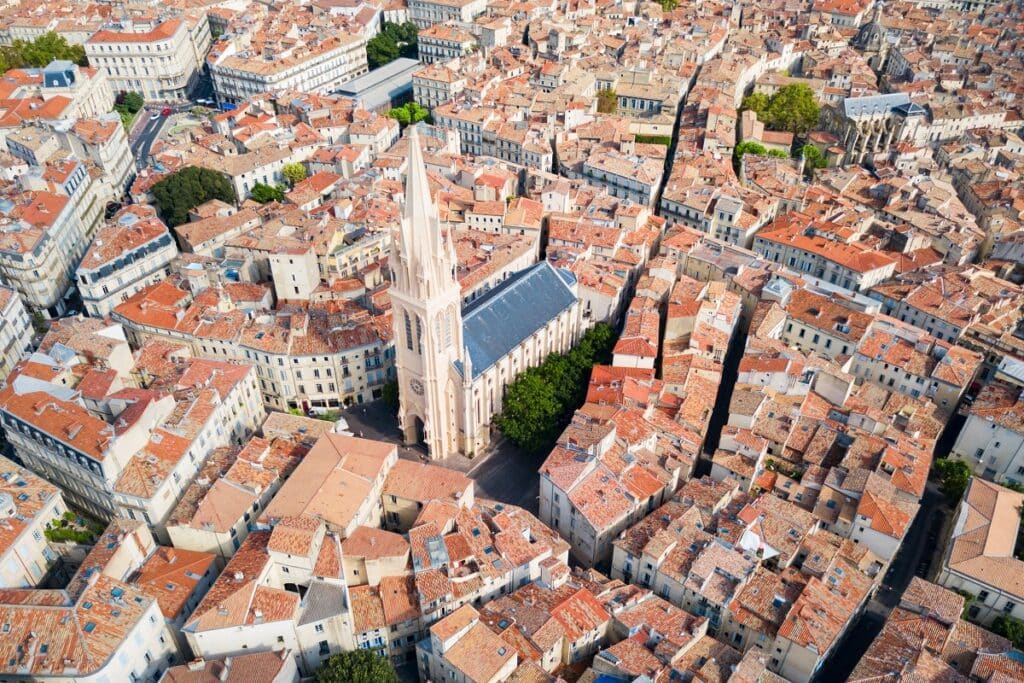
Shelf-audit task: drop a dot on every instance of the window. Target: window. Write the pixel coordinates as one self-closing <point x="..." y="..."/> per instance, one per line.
<point x="1009" y="606"/>
<point x="325" y="649"/>
<point x="319" y="628"/>
<point x="983" y="595"/>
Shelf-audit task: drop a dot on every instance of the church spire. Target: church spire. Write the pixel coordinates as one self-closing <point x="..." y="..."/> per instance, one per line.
<point x="426" y="255"/>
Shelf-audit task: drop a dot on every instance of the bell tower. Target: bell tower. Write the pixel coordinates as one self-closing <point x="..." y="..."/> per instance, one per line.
<point x="427" y="323"/>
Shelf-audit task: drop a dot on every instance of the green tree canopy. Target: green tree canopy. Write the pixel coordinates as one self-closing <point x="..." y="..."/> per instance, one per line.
<point x="954" y="476"/>
<point x="749" y="147"/>
<point x="758" y="103"/>
<point x="186" y="189"/>
<point x="813" y="158"/>
<point x="41" y="51"/>
<point x="294" y="172"/>
<point x="410" y="112"/>
<point x="668" y="5"/>
<point x="1011" y="629"/>
<point x="607" y="101"/>
<point x="393" y="41"/>
<point x="792" y="108"/>
<point x="541" y="401"/>
<point x="263" y="193"/>
<point x="357" y="666"/>
<point x="777" y="153"/>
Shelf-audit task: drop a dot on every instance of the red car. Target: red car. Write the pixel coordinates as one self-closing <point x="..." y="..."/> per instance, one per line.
<point x="166" y="111"/>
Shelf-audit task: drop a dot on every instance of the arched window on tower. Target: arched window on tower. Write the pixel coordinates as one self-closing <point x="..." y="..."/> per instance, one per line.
<point x="408" y="331"/>
<point x="419" y="335"/>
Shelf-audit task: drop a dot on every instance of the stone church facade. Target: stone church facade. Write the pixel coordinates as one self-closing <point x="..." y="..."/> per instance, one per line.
<point x="455" y="362"/>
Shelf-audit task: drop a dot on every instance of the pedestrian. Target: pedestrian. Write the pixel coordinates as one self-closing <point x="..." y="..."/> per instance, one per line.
<point x="360" y="433"/>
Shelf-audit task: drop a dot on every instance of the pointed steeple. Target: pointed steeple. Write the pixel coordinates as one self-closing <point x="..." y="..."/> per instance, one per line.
<point x="419" y="207"/>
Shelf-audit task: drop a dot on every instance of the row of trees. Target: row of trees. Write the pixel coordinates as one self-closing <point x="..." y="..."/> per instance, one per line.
<point x="40" y="52"/>
<point x="393" y="41"/>
<point x="542" y="400"/>
<point x="792" y="108"/>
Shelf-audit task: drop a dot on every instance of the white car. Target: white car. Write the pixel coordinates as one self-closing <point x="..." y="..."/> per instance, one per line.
<point x="154" y="116"/>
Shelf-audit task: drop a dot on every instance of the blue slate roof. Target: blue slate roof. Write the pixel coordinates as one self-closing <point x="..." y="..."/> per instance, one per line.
<point x="874" y="104"/>
<point x="500" y="320"/>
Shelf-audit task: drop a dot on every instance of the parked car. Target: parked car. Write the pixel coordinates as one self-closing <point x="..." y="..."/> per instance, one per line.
<point x="166" y="111"/>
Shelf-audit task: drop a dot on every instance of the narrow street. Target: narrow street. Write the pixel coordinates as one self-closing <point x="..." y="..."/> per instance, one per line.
<point x="920" y="555"/>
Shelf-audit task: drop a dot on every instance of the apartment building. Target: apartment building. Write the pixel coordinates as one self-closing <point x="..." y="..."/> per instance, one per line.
<point x="161" y="62"/>
<point x="73" y="414"/>
<point x="992" y="438"/>
<point x="987" y="567"/>
<point x="131" y="251"/>
<point x="315" y="63"/>
<point x="105" y="630"/>
<point x="255" y="603"/>
<point x="28" y="506"/>
<point x="628" y="177"/>
<point x="302" y="360"/>
<point x="83" y="91"/>
<point x="278" y="666"/>
<point x="43" y="236"/>
<point x="177" y="579"/>
<point x="825" y="325"/>
<point x="436" y="84"/>
<point x="817" y="622"/>
<point x="15" y="332"/>
<point x="426" y="13"/>
<point x="823" y="250"/>
<point x="103" y="140"/>
<point x="614" y="488"/>
<point x="233" y="487"/>
<point x="443" y="42"/>
<point x="908" y="360"/>
<point x="954" y="645"/>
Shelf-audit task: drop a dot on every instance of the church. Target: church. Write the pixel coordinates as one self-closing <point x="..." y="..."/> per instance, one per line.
<point x="455" y="361"/>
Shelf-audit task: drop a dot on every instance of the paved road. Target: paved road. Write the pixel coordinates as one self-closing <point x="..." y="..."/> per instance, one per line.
<point x="149" y="133"/>
<point x="503" y="473"/>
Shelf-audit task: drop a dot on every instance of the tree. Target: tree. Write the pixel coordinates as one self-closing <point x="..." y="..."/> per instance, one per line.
<point x="263" y="193"/>
<point x="1011" y="629"/>
<point x="778" y="154"/>
<point x="410" y="112"/>
<point x="813" y="158"/>
<point x="542" y="400"/>
<point x="393" y="41"/>
<point x="607" y="101"/>
<point x="127" y="106"/>
<point x="357" y="666"/>
<point x="43" y="50"/>
<point x="294" y="173"/>
<point x="531" y="413"/>
<point x="792" y="108"/>
<point x="756" y="102"/>
<point x="381" y="50"/>
<point x="954" y="476"/>
<point x="180" y="192"/>
<point x="668" y="5"/>
<point x="749" y="147"/>
<point x="132" y="101"/>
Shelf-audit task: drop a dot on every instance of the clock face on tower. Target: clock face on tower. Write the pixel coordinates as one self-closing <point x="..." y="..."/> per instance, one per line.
<point x="417" y="387"/>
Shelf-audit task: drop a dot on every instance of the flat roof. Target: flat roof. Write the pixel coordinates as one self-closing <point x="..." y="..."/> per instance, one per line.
<point x="401" y="68"/>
